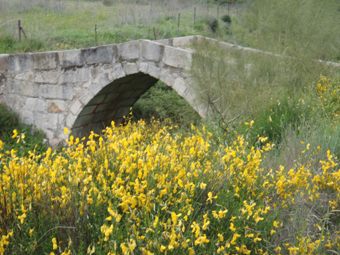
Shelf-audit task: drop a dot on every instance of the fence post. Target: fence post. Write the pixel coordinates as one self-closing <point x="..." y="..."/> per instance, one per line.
<point x="95" y="32"/>
<point x="179" y="19"/>
<point x="218" y="10"/>
<point x="208" y="10"/>
<point x="194" y="16"/>
<point x="154" y="33"/>
<point x="19" y="28"/>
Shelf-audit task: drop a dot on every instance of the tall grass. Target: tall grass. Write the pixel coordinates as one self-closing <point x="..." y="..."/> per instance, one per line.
<point x="308" y="29"/>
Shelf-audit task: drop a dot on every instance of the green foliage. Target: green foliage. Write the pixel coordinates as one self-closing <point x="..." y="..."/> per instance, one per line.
<point x="162" y="102"/>
<point x="33" y="138"/>
<point x="226" y="19"/>
<point x="213" y="24"/>
<point x="108" y="2"/>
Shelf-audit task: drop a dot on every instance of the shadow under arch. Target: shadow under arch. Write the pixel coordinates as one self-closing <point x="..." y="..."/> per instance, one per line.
<point x="113" y="102"/>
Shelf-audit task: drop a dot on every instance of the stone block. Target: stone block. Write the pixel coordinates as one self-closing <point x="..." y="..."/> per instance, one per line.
<point x="56" y="91"/>
<point x="151" y="50"/>
<point x="20" y="62"/>
<point x="56" y="106"/>
<point x="183" y="41"/>
<point x="46" y="121"/>
<point x="129" y="50"/>
<point x="167" y="76"/>
<point x="83" y="120"/>
<point x="4" y="62"/>
<point x="179" y="86"/>
<point x="77" y="75"/>
<point x="70" y="120"/>
<point x="71" y="58"/>
<point x="45" y="60"/>
<point x="131" y="68"/>
<point x="95" y="88"/>
<point x="143" y="67"/>
<point x="27" y="116"/>
<point x="154" y="70"/>
<point x="51" y="121"/>
<point x="101" y="54"/>
<point x="14" y="102"/>
<point x="165" y="42"/>
<point x="118" y="71"/>
<point x="105" y="79"/>
<point x="76" y="107"/>
<point x="28" y="89"/>
<point x="27" y="76"/>
<point x="49" y="77"/>
<point x="61" y="122"/>
<point x="88" y="110"/>
<point x="86" y="97"/>
<point x="35" y="104"/>
<point x="178" y="58"/>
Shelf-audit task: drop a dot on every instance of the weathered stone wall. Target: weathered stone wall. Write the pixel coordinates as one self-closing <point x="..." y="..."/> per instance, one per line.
<point x="86" y="89"/>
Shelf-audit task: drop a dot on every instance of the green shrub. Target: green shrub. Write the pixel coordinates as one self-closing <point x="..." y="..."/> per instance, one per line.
<point x="162" y="102"/>
<point x="213" y="24"/>
<point x="9" y="121"/>
<point x="226" y="19"/>
<point x="108" y="2"/>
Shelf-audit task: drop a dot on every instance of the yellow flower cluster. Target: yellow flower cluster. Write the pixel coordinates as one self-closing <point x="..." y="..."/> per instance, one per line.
<point x="146" y="189"/>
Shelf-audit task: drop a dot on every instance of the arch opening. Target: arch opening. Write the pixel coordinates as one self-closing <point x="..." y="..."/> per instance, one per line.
<point x="111" y="103"/>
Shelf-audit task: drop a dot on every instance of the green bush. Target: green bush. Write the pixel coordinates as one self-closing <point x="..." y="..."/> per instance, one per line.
<point x="162" y="102"/>
<point x="9" y="121"/>
<point x="213" y="24"/>
<point x="226" y="19"/>
<point x="108" y="2"/>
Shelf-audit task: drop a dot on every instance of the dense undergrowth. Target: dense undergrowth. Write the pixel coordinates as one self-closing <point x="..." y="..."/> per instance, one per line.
<point x="32" y="136"/>
<point x="154" y="188"/>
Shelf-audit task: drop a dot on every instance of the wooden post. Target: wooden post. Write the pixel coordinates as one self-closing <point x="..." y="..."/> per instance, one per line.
<point x="95" y="33"/>
<point x="179" y="20"/>
<point x="194" y="16"/>
<point x="218" y="10"/>
<point x="208" y="10"/>
<point x="154" y="33"/>
<point x="19" y="28"/>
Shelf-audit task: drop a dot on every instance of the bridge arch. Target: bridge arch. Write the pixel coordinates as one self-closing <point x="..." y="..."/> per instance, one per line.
<point x="127" y="80"/>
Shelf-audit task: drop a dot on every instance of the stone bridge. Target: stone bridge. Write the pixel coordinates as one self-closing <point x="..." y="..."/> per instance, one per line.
<point x="85" y="89"/>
